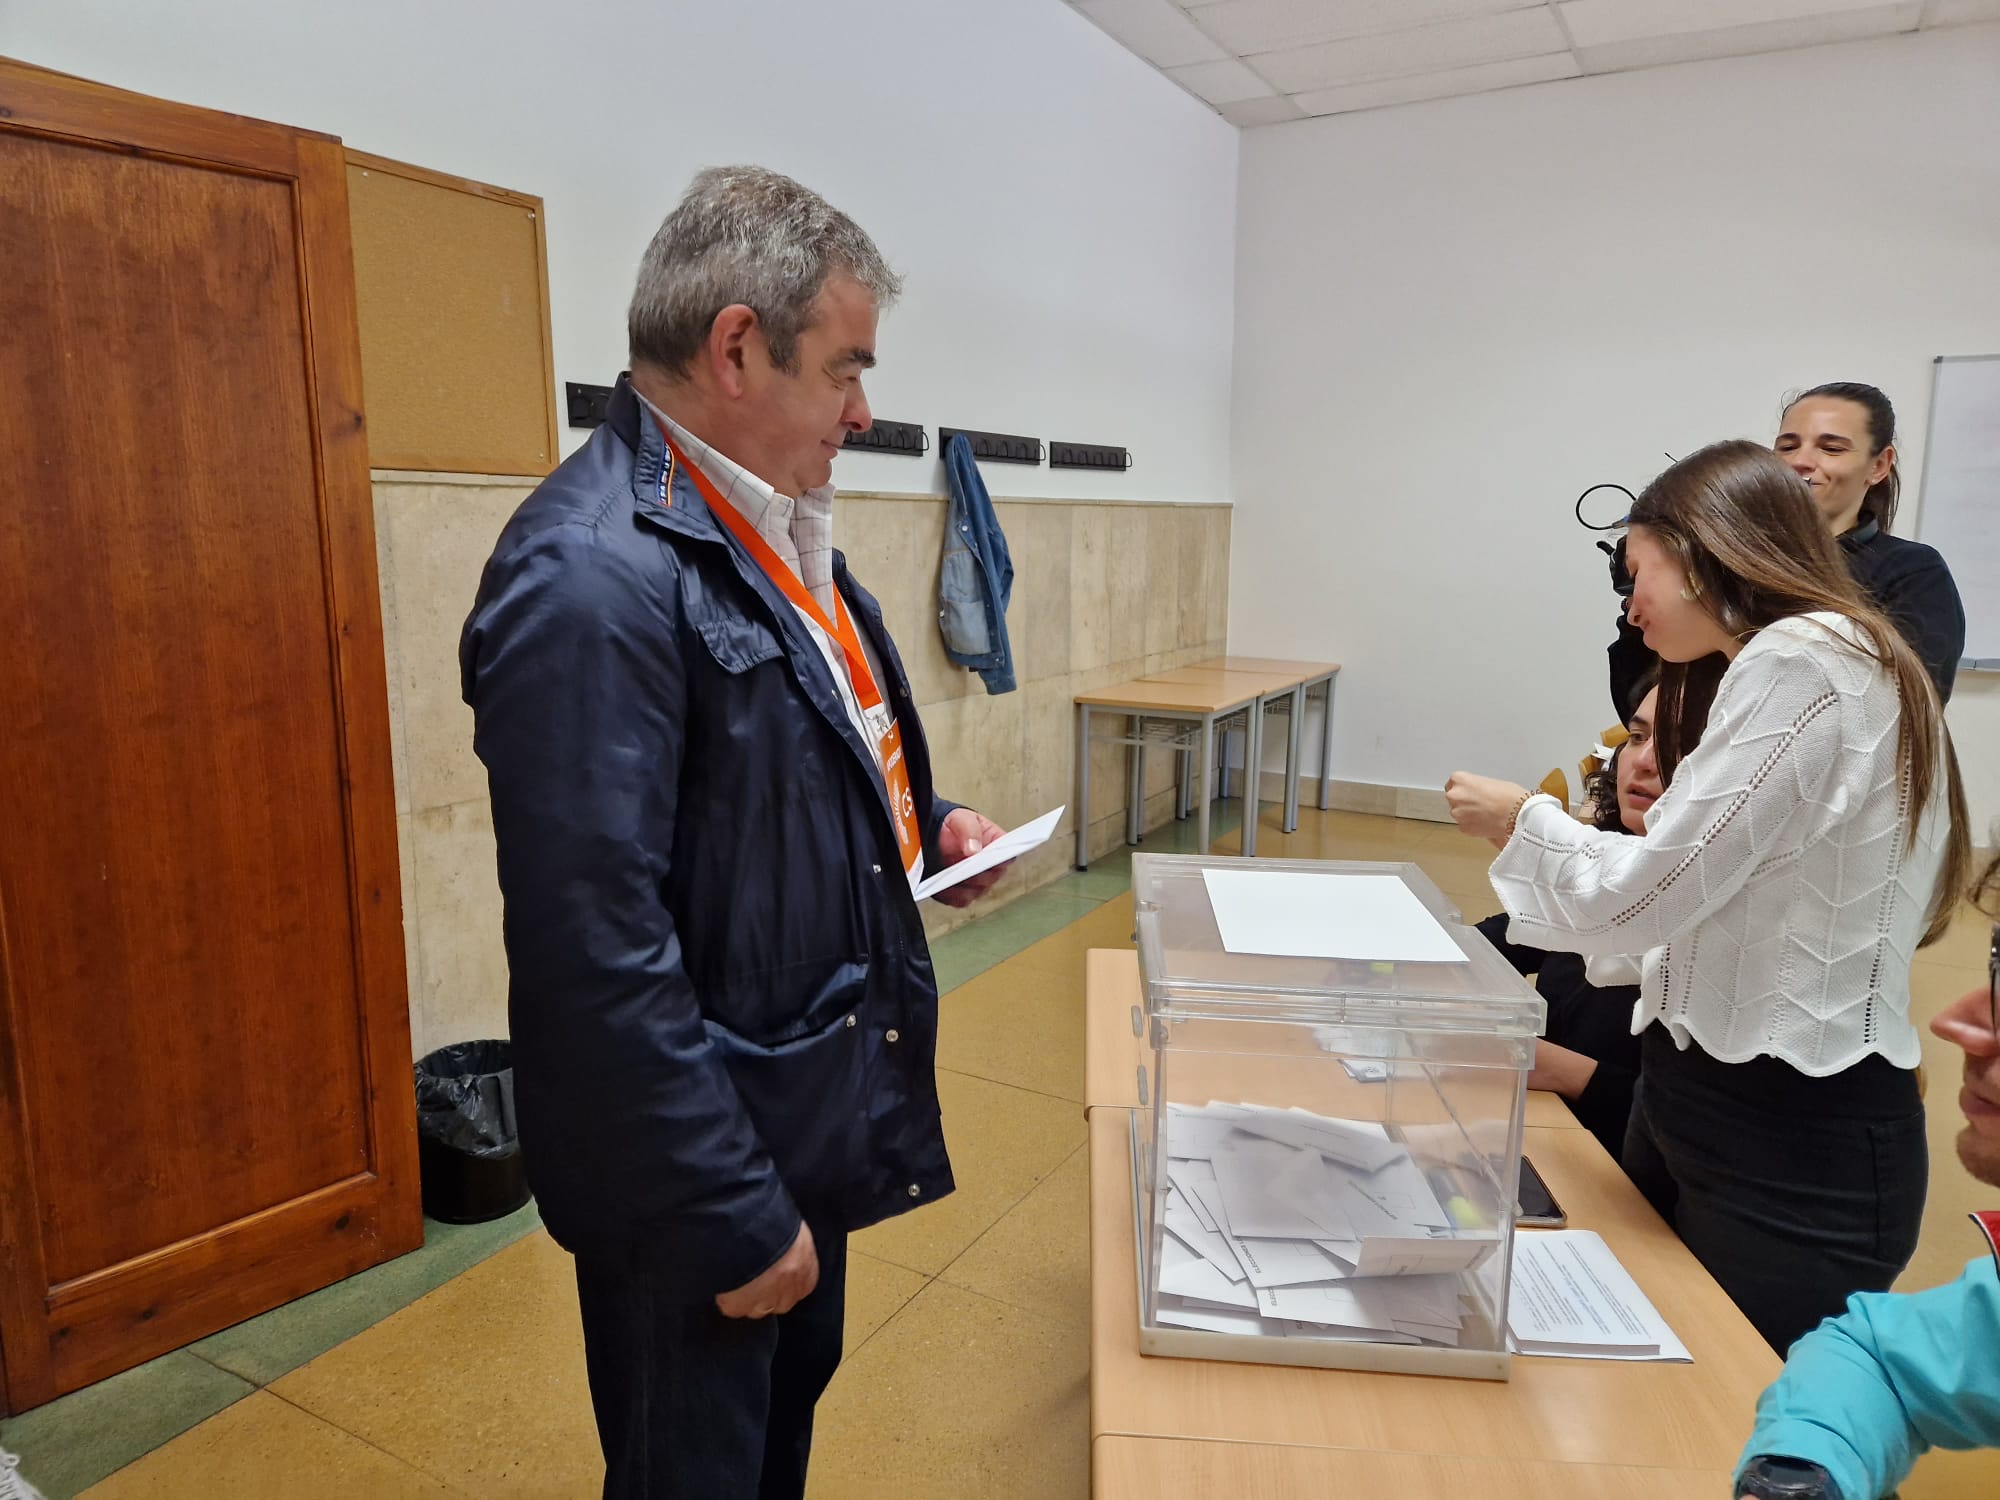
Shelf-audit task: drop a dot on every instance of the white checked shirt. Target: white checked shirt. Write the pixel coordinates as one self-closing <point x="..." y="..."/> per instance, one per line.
<point x="801" y="533"/>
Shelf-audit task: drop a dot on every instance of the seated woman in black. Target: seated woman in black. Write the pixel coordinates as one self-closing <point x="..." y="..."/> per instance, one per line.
<point x="1588" y="1053"/>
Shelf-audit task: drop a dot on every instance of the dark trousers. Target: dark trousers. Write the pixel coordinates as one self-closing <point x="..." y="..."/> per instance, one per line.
<point x="694" y="1406"/>
<point x="1794" y="1192"/>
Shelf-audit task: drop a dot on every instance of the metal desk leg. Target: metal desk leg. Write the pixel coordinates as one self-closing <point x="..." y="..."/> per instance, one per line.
<point x="1184" y="785"/>
<point x="1081" y="812"/>
<point x="1292" y="759"/>
<point x="1222" y="761"/>
<point x="1253" y="760"/>
<point x="1206" y="743"/>
<point x="1135" y="787"/>
<point x="1326" y="751"/>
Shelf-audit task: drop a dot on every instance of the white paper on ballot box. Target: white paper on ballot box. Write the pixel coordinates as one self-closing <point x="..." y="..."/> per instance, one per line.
<point x="1299" y="914"/>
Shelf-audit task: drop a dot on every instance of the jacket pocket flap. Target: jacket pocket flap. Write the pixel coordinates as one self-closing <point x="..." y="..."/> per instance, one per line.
<point x="739" y="644"/>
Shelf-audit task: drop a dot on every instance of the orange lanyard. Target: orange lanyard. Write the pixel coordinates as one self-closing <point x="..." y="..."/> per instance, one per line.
<point x="840" y="629"/>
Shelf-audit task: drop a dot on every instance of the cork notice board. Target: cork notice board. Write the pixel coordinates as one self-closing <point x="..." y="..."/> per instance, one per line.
<point x="451" y="282"/>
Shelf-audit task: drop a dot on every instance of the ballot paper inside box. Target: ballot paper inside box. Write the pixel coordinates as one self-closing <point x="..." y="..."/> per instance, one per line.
<point x="1325" y="1159"/>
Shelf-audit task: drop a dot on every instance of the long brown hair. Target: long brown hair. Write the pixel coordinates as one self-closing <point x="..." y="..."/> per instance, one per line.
<point x="1745" y="531"/>
<point x="1986" y="889"/>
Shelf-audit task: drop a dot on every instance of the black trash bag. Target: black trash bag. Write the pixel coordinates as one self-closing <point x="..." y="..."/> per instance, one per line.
<point x="465" y="1098"/>
<point x="468" y="1145"/>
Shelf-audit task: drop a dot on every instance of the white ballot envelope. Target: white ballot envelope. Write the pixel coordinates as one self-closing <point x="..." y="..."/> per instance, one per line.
<point x="1008" y="846"/>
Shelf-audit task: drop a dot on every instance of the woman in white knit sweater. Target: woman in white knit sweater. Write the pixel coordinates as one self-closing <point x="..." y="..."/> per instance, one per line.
<point x="1805" y="848"/>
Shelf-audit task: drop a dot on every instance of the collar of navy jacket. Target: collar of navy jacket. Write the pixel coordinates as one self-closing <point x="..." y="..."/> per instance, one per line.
<point x="686" y="516"/>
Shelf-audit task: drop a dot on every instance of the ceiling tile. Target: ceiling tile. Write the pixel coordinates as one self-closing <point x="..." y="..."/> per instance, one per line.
<point x="1253" y="112"/>
<point x="1246" y="26"/>
<point x="1742" y="41"/>
<point x="1445" y="85"/>
<point x="1959" y="12"/>
<point x="1599" y="23"/>
<point x="1157" y="30"/>
<point x="1223" y="82"/>
<point x="1422" y="49"/>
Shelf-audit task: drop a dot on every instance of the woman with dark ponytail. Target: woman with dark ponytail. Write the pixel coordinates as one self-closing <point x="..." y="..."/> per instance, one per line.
<point x="1840" y="438"/>
<point x="1803" y="850"/>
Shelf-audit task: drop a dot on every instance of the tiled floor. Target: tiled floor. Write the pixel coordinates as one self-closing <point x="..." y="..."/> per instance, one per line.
<point x="459" y="1370"/>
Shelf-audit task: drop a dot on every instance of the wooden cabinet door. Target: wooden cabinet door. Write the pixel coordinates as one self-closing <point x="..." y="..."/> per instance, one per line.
<point x="205" y="1099"/>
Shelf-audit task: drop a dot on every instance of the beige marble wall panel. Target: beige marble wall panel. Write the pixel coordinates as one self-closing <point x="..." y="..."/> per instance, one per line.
<point x="1161" y="550"/>
<point x="1197" y="531"/>
<point x="459" y="990"/>
<point x="392" y="646"/>
<point x="413" y="952"/>
<point x="1048" y="744"/>
<point x="1090" y="587"/>
<point x="440" y="537"/>
<point x="1215" y="574"/>
<point x="1039" y="538"/>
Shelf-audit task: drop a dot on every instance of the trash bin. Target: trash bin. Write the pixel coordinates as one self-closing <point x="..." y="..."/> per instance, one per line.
<point x="468" y="1146"/>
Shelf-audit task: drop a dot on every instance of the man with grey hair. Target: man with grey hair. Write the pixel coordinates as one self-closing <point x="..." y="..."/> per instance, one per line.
<point x="712" y="803"/>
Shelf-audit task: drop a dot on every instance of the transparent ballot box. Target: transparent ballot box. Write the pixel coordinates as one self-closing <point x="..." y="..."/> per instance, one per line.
<point x="1326" y="1156"/>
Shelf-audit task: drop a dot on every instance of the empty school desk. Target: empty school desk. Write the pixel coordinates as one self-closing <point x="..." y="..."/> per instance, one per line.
<point x="1310" y="675"/>
<point x="1185" y="716"/>
<point x="1273" y="688"/>
<point x="1164" y="1429"/>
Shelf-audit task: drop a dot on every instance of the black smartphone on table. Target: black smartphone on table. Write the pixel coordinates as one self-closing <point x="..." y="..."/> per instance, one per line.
<point x="1535" y="1206"/>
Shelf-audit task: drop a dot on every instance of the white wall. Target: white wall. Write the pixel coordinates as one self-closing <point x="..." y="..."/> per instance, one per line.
<point x="1064" y="216"/>
<point x="1452" y="317"/>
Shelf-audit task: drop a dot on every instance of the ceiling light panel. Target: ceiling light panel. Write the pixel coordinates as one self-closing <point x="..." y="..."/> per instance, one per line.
<point x="1157" y="30"/>
<point x="1223" y="82"/>
<point x="1960" y="12"/>
<point x="1246" y="26"/>
<point x="1476" y="80"/>
<point x="1742" y="41"/>
<point x="1598" y="23"/>
<point x="1250" y="113"/>
<point x="1424" y="49"/>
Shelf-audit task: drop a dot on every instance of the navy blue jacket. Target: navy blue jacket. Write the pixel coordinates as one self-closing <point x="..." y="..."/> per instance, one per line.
<point x="976" y="576"/>
<point x="723" y="1011"/>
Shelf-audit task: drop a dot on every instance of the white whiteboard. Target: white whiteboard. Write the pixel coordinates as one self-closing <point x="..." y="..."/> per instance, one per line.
<point x="1961" y="493"/>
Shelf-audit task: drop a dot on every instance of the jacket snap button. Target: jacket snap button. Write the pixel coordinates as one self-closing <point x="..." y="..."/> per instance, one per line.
<point x="876" y="868"/>
<point x="850" y="1021"/>
<point x="892" y="1035"/>
<point x="915" y="1191"/>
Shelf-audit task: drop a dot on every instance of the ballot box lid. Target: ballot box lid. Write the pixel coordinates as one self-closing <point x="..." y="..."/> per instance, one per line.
<point x="1314" y="942"/>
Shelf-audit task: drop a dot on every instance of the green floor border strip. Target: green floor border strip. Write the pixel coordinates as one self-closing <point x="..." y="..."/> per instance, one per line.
<point x="72" y="1442"/>
<point x="277" y="1343"/>
<point x="76" y="1440"/>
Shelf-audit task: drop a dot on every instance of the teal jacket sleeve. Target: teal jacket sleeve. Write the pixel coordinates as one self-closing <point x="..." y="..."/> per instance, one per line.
<point x="1865" y="1394"/>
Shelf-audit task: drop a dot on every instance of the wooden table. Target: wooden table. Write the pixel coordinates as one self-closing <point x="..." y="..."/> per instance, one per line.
<point x="1308" y="675"/>
<point x="1273" y="688"/>
<point x="1197" y="706"/>
<point x="1168" y="1428"/>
